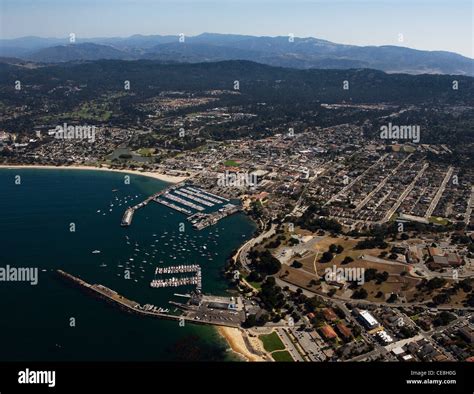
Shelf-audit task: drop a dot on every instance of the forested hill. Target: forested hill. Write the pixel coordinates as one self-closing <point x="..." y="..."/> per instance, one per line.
<point x="256" y="81"/>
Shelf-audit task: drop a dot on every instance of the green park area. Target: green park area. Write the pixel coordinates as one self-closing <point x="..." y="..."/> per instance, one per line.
<point x="438" y="220"/>
<point x="231" y="163"/>
<point x="282" y="356"/>
<point x="272" y="342"/>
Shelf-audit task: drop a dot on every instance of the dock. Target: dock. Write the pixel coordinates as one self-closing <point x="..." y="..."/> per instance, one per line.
<point x="173" y="206"/>
<point x="174" y="282"/>
<point x="197" y="190"/>
<point x="203" y="220"/>
<point x="201" y="195"/>
<point x="179" y="200"/>
<point x="178" y="281"/>
<point x="194" y="198"/>
<point x="177" y="269"/>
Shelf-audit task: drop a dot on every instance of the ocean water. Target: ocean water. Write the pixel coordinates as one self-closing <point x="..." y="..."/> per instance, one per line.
<point x="36" y="219"/>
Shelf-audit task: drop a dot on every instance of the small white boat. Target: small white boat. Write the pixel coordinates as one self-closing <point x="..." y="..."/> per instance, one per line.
<point x="95" y="251"/>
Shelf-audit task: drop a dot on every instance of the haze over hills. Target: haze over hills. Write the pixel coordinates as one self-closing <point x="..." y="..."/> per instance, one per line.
<point x="303" y="53"/>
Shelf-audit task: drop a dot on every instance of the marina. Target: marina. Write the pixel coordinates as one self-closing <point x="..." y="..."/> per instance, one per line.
<point x="197" y="199"/>
<point x="175" y="282"/>
<point x="177" y="199"/>
<point x="178" y="269"/>
<point x="201" y="195"/>
<point x="195" y="280"/>
<point x="196" y="190"/>
<point x="173" y="206"/>
<point x="170" y="198"/>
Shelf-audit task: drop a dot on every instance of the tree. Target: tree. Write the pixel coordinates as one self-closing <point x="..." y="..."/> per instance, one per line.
<point x="393" y="297"/>
<point x="443" y="319"/>
<point x="251" y="321"/>
<point x="296" y="264"/>
<point x="326" y="257"/>
<point x="347" y="260"/>
<point x="360" y="294"/>
<point x="435" y="283"/>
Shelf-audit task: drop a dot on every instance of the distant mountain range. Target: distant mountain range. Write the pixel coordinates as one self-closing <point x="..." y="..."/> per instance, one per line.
<point x="302" y="53"/>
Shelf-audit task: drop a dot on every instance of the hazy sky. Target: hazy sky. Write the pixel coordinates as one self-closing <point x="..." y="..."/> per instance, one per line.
<point x="424" y="24"/>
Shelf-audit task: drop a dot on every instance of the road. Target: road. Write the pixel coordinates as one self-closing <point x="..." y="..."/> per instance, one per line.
<point x="381" y="184"/>
<point x="289" y="345"/>
<point x="311" y="294"/>
<point x="405" y="193"/>
<point x="347" y="187"/>
<point x="439" y="193"/>
<point x="470" y="204"/>
<point x="242" y="253"/>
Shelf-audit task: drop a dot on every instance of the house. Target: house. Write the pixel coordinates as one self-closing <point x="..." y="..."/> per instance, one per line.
<point x="345" y="331"/>
<point x="454" y="260"/>
<point x="329" y="314"/>
<point x="328" y="332"/>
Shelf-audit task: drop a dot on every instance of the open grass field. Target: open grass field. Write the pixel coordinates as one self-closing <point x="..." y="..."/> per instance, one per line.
<point x="231" y="163"/>
<point x="438" y="220"/>
<point x="283" y="356"/>
<point x="272" y="342"/>
<point x="400" y="280"/>
<point x="146" y="152"/>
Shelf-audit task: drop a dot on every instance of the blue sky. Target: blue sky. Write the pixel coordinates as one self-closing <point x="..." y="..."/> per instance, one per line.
<point x="424" y="24"/>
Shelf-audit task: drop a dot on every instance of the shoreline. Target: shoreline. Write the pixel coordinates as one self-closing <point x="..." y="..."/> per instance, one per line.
<point x="149" y="174"/>
<point x="235" y="340"/>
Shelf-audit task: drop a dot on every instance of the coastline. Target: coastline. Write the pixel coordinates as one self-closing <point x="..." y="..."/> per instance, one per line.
<point x="149" y="174"/>
<point x="235" y="339"/>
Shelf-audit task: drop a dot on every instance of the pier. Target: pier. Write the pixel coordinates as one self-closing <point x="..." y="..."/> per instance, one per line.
<point x="127" y="217"/>
<point x="199" y="310"/>
<point x="203" y="220"/>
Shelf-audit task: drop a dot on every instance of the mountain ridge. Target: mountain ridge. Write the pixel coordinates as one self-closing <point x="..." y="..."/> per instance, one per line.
<point x="302" y="53"/>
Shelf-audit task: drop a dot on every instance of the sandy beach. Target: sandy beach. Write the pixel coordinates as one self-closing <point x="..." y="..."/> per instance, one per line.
<point x="155" y="175"/>
<point x="234" y="338"/>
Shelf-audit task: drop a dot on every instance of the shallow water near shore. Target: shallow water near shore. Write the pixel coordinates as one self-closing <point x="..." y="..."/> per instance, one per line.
<point x="54" y="321"/>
